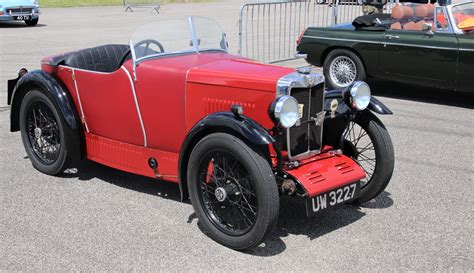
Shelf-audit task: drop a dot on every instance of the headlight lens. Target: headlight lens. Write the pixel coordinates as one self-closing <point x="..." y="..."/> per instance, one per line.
<point x="359" y="95"/>
<point x="286" y="111"/>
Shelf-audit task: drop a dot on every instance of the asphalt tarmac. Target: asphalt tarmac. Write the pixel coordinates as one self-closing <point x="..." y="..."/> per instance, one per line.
<point x="97" y="218"/>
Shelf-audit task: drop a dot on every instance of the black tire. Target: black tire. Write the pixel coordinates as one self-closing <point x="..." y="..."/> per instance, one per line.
<point x="38" y="111"/>
<point x="353" y="63"/>
<point x="32" y="22"/>
<point x="260" y="189"/>
<point x="379" y="169"/>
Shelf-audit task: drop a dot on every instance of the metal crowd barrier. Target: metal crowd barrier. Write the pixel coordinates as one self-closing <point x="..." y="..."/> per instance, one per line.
<point x="154" y="5"/>
<point x="268" y="31"/>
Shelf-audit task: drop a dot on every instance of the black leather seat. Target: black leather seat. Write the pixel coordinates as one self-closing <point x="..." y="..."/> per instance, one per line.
<point x="106" y="58"/>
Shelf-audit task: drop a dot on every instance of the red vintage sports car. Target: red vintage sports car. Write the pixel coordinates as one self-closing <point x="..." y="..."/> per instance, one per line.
<point x="233" y="133"/>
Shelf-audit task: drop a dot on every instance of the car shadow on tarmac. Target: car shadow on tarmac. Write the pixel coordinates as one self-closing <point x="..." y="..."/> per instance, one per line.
<point x="18" y="24"/>
<point x="421" y="94"/>
<point x="87" y="170"/>
<point x="292" y="219"/>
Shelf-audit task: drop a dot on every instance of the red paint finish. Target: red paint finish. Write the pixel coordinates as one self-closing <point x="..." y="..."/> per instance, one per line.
<point x="203" y="100"/>
<point x="109" y="106"/>
<point x="326" y="172"/>
<point x="161" y="87"/>
<point x="131" y="158"/>
<point x="173" y="94"/>
<point x="241" y="73"/>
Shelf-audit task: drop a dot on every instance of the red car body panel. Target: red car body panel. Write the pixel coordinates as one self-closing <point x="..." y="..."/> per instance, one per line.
<point x="107" y="102"/>
<point x="325" y="172"/>
<point x="170" y="95"/>
<point x="239" y="73"/>
<point x="131" y="158"/>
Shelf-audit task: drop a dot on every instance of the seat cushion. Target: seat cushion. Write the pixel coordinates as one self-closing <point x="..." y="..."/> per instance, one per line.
<point x="106" y="58"/>
<point x="424" y="11"/>
<point x="402" y="12"/>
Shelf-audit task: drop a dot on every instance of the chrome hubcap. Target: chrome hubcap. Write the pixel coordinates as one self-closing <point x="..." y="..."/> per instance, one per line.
<point x="37" y="132"/>
<point x="221" y="194"/>
<point x="342" y="71"/>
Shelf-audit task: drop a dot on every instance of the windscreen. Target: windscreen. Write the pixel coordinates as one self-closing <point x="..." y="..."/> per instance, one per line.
<point x="464" y="16"/>
<point x="186" y="35"/>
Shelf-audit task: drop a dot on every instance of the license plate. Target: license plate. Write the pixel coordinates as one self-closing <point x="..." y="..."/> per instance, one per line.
<point x="21" y="17"/>
<point x="332" y="198"/>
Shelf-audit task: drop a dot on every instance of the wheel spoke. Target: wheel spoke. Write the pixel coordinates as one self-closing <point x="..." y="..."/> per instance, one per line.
<point x="43" y="133"/>
<point x="228" y="196"/>
<point x="361" y="149"/>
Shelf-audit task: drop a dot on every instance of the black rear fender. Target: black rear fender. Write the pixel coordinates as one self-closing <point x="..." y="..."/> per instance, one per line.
<point x="59" y="96"/>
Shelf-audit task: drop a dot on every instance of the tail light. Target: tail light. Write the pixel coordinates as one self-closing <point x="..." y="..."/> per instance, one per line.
<point x="301" y="36"/>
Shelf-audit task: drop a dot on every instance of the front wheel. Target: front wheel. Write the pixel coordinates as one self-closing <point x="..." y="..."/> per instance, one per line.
<point x="43" y="131"/>
<point x="342" y="67"/>
<point x="366" y="140"/>
<point x="233" y="191"/>
<point x="32" y="22"/>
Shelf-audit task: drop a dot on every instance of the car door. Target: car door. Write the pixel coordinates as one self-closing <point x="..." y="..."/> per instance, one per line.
<point x="465" y="80"/>
<point x="421" y="57"/>
<point x="108" y="103"/>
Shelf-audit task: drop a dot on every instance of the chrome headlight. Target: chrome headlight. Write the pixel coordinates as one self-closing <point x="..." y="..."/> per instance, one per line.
<point x="285" y="111"/>
<point x="357" y="95"/>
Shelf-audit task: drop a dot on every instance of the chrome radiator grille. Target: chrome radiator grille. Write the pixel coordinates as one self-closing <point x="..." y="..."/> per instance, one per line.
<point x="19" y="10"/>
<point x="306" y="137"/>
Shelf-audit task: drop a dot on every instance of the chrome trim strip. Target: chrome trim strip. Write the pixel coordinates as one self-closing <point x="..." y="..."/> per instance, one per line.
<point x="134" y="60"/>
<point x="466" y="49"/>
<point x="136" y="105"/>
<point x="383" y="43"/>
<point x="421" y="46"/>
<point x="85" y="70"/>
<point x="171" y="54"/>
<point x="193" y="34"/>
<point x="83" y="118"/>
<point x="297" y="79"/>
<point x="345" y="40"/>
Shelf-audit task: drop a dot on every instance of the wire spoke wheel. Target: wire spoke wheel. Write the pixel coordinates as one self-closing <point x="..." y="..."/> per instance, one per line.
<point x="227" y="193"/>
<point x="233" y="191"/>
<point x="343" y="71"/>
<point x="358" y="145"/>
<point x="43" y="133"/>
<point x="367" y="142"/>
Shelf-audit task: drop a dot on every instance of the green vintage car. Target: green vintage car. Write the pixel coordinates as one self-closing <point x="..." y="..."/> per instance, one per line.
<point x="418" y="44"/>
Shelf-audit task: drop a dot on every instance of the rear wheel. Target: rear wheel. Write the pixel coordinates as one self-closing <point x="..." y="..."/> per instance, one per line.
<point x="342" y="67"/>
<point x="367" y="141"/>
<point x="43" y="133"/>
<point x="233" y="191"/>
<point x="32" y="22"/>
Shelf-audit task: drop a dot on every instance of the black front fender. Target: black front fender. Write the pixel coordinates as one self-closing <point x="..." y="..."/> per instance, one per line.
<point x="375" y="105"/>
<point x="222" y="122"/>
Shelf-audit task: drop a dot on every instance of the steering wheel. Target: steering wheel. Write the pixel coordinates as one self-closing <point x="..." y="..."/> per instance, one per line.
<point x="147" y="44"/>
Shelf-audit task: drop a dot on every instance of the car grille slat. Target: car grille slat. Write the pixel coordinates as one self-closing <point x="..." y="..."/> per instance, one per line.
<point x="317" y="105"/>
<point x="19" y="10"/>
<point x="307" y="136"/>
